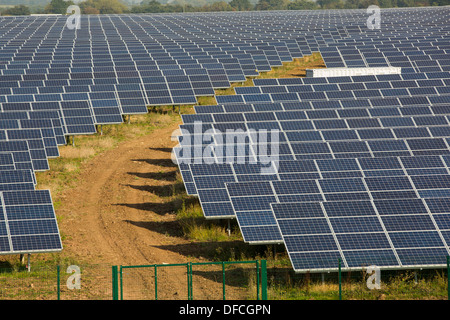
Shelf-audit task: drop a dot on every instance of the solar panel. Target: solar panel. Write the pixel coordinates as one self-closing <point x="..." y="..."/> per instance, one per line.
<point x="244" y="198"/>
<point x="36" y="145"/>
<point x="28" y="223"/>
<point x="105" y="107"/>
<point x="52" y="134"/>
<point x="257" y="222"/>
<point x="78" y="118"/>
<point x="212" y="177"/>
<point x="15" y="180"/>
<point x="344" y="133"/>
<point x="388" y="233"/>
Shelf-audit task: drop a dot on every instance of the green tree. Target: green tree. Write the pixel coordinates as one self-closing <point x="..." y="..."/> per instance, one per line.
<point x="331" y="4"/>
<point x="302" y="5"/>
<point x="147" y="7"/>
<point x="405" y="3"/>
<point x="57" y="6"/>
<point x="218" y="6"/>
<point x="272" y="4"/>
<point x="103" y="6"/>
<point x="110" y="6"/>
<point x="241" y="5"/>
<point x="441" y="2"/>
<point x="90" y="10"/>
<point x="20" y="10"/>
<point x="154" y="6"/>
<point x="386" y="3"/>
<point x="360" y="4"/>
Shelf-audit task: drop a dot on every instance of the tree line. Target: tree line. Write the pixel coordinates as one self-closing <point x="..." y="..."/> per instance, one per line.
<point x="153" y="6"/>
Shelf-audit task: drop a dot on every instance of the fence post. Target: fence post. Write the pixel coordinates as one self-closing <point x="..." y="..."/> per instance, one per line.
<point x="223" y="280"/>
<point x="156" y="282"/>
<point x="188" y="286"/>
<point x="192" y="281"/>
<point x="263" y="280"/>
<point x="189" y="280"/>
<point x="340" y="279"/>
<point x="58" y="282"/>
<point x="257" y="280"/>
<point x="121" y="283"/>
<point x="115" y="284"/>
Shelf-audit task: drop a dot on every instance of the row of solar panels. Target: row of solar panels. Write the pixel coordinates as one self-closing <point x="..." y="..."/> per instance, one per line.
<point x="248" y="191"/>
<point x="357" y="172"/>
<point x="124" y="57"/>
<point x="427" y="55"/>
<point x="74" y="89"/>
<point x="127" y="51"/>
<point x="94" y="75"/>
<point x="314" y="133"/>
<point x="53" y="88"/>
<point x="27" y="217"/>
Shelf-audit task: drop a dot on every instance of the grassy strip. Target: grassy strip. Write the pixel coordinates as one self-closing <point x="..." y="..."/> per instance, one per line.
<point x="296" y="68"/>
<point x="395" y="285"/>
<point x="65" y="169"/>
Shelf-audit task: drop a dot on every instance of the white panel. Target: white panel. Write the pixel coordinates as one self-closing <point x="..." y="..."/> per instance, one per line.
<point x="341" y="72"/>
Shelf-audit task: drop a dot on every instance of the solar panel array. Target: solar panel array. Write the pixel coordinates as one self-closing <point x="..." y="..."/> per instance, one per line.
<point x="353" y="167"/>
<point x="56" y="81"/>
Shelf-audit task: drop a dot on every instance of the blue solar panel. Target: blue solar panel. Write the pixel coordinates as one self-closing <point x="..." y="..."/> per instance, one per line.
<point x="77" y="81"/>
<point x="28" y="222"/>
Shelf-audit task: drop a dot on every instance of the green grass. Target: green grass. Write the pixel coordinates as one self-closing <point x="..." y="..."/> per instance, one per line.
<point x="395" y="285"/>
<point x="196" y="228"/>
<point x="64" y="170"/>
<point x="296" y="68"/>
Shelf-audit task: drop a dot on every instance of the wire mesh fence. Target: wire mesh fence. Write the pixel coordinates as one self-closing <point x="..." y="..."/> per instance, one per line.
<point x="219" y="281"/>
<point x="191" y="281"/>
<point x="366" y="283"/>
<point x="18" y="283"/>
<point x="62" y="282"/>
<point x="84" y="282"/>
<point x="424" y="284"/>
<point x="154" y="282"/>
<point x="227" y="280"/>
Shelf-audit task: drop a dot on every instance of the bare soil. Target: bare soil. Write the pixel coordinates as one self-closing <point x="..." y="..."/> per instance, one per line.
<point x="120" y="212"/>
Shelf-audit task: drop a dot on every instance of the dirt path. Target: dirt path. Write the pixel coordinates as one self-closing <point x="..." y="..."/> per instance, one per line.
<point x="119" y="212"/>
<point x="109" y="211"/>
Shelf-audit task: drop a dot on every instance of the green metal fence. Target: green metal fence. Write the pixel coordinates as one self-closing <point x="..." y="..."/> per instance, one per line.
<point x="372" y="283"/>
<point x="192" y="280"/>
<point x="60" y="282"/>
<point x="365" y="283"/>
<point x="20" y="284"/>
<point x="256" y="280"/>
